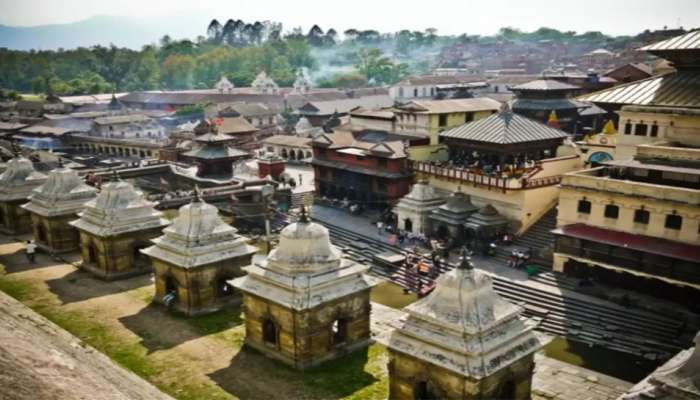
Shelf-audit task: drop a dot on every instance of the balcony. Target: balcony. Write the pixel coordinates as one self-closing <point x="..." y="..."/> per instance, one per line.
<point x="519" y="179"/>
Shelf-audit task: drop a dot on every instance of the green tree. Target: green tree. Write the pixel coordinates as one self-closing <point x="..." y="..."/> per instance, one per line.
<point x="177" y="71"/>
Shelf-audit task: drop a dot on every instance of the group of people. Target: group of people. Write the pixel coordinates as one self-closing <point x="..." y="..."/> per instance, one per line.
<point x="519" y="258"/>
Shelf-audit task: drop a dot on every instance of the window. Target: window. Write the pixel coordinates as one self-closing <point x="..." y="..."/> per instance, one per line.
<point x="641" y="216"/>
<point x="654" y="131"/>
<point x="584" y="206"/>
<point x="628" y="128"/>
<point x="674" y="221"/>
<point x="381" y="162"/>
<point x="415" y="92"/>
<point x="468" y="117"/>
<point x="432" y="91"/>
<point x="612" y="211"/>
<point x="442" y="119"/>
<point x="640" y="129"/>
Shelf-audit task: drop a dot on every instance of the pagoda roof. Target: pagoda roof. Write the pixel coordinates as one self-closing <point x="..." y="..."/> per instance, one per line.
<point x="544" y="85"/>
<point x="19" y="179"/>
<point x="118" y="209"/>
<point x="63" y="193"/>
<point x="504" y="128"/>
<point x="198" y="236"/>
<point x="304" y="271"/>
<point x="465" y="327"/>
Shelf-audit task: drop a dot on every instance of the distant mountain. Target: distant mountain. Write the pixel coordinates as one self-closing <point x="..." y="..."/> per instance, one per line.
<point x="122" y="31"/>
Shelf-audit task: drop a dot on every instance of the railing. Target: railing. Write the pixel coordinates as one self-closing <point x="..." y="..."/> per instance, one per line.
<point x="477" y="177"/>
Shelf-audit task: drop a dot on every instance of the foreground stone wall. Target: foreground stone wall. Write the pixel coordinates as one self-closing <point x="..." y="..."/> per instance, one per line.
<point x="196" y="288"/>
<point x="305" y="338"/>
<point x="406" y="374"/>
<point x="15" y="219"/>
<point x="60" y="237"/>
<point x="116" y="257"/>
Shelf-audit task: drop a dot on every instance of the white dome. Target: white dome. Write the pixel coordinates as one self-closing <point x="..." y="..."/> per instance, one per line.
<point x="304" y="246"/>
<point x="19" y="179"/>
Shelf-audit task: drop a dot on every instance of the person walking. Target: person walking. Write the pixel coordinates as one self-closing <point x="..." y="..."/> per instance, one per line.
<point x="380" y="225"/>
<point x="31" y="251"/>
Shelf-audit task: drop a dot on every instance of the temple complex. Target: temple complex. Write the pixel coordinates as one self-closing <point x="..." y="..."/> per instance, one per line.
<point x="114" y="227"/>
<point x="16" y="185"/>
<point x="506" y="160"/>
<point x="264" y="84"/>
<point x="538" y="99"/>
<point x="413" y="210"/>
<point x="213" y="154"/>
<point x="447" y="221"/>
<point x="305" y="304"/>
<point x="463" y="341"/>
<point x="195" y="257"/>
<point x="53" y="205"/>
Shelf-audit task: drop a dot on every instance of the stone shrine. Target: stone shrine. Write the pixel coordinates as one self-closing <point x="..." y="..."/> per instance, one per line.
<point x="53" y="205"/>
<point x="305" y="304"/>
<point x="114" y="227"/>
<point x="195" y="257"/>
<point x="463" y="341"/>
<point x="16" y="185"/>
<point x="413" y="210"/>
<point x="447" y="221"/>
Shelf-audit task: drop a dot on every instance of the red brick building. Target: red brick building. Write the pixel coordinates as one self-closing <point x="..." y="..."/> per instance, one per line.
<point x="370" y="168"/>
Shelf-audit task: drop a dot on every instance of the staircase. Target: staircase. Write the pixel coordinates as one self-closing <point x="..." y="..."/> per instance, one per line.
<point x="539" y="238"/>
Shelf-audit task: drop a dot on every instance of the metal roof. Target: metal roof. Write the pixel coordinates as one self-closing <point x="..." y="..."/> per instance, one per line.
<point x="544" y="84"/>
<point x="689" y="41"/>
<point x="450" y="106"/>
<point x="215" y="152"/>
<point x="681" y="89"/>
<point x="504" y="128"/>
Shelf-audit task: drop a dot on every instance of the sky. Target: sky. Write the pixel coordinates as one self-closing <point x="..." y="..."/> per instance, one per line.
<point x="482" y="17"/>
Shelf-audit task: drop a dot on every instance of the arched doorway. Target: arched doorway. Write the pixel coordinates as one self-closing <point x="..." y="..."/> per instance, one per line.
<point x="283" y="153"/>
<point x="41" y="234"/>
<point x="269" y="332"/>
<point x="223" y="289"/>
<point x="408" y="225"/>
<point x="170" y="285"/>
<point x="92" y="254"/>
<point x="443" y="232"/>
<point x="423" y="391"/>
<point x="339" y="331"/>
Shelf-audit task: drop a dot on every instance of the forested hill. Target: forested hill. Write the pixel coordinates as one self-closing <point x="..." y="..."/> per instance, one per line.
<point x="240" y="50"/>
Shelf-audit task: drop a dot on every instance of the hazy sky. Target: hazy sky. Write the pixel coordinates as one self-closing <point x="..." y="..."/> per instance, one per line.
<point x="448" y="16"/>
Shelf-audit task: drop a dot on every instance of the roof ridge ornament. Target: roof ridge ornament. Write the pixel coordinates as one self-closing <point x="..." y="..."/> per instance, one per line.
<point x="465" y="261"/>
<point x="303" y="217"/>
<point x="197" y="198"/>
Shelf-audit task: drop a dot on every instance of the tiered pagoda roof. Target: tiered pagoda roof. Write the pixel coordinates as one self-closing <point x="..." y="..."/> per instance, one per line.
<point x="19" y="179"/>
<point x="198" y="236"/>
<point x="304" y="271"/>
<point x="422" y="197"/>
<point x="465" y="327"/>
<point x="63" y="193"/>
<point x="119" y="209"/>
<point x="504" y="127"/>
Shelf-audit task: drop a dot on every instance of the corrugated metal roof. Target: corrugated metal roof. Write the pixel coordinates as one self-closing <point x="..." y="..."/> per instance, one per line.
<point x="451" y="106"/>
<point x="545" y="84"/>
<point x="440" y="79"/>
<point x="504" y="128"/>
<point x="681" y="89"/>
<point x="689" y="41"/>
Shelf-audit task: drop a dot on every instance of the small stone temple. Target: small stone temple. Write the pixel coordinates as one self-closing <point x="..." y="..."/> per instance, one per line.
<point x="447" y="221"/>
<point x="679" y="378"/>
<point x="462" y="341"/>
<point x="195" y="257"/>
<point x="485" y="224"/>
<point x="16" y="185"/>
<point x="413" y="210"/>
<point x="53" y="205"/>
<point x="114" y="227"/>
<point x="305" y="304"/>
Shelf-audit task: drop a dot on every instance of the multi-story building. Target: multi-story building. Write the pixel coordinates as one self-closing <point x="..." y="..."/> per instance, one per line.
<point x="636" y="223"/>
<point x="366" y="167"/>
<point x="133" y="126"/>
<point x="427" y="118"/>
<point x="427" y="86"/>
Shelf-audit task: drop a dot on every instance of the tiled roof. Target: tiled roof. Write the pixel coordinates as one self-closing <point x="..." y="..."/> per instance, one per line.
<point x="288" y="140"/>
<point x="440" y="79"/>
<point x="214" y="152"/>
<point x="234" y="125"/>
<point x="689" y="41"/>
<point x="346" y="139"/>
<point x="122" y="119"/>
<point x="344" y="106"/>
<point x="451" y="106"/>
<point x="544" y="84"/>
<point x="504" y="128"/>
<point x="681" y="89"/>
